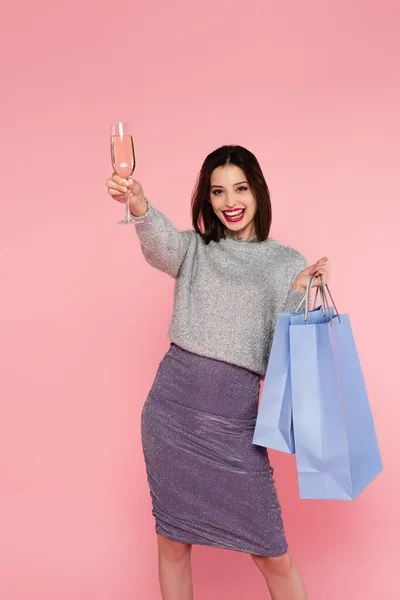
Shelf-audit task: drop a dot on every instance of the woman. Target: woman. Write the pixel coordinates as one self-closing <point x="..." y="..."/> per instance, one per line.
<point x="209" y="484"/>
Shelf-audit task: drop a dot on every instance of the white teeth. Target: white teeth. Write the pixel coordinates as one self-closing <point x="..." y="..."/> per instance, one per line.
<point x="234" y="213"/>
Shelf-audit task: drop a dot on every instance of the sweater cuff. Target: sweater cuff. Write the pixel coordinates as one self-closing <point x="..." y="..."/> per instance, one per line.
<point x="142" y="219"/>
<point x="293" y="300"/>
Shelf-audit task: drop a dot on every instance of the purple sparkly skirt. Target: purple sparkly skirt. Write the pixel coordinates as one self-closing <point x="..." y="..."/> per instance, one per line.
<point x="209" y="484"/>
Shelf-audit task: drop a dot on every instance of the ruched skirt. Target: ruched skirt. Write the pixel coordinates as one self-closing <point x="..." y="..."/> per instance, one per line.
<point x="209" y="485"/>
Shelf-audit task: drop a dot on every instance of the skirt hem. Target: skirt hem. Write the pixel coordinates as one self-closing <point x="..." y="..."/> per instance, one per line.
<point x="184" y="540"/>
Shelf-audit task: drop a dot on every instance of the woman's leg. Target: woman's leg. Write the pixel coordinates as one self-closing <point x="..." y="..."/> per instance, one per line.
<point x="282" y="578"/>
<point x="174" y="569"/>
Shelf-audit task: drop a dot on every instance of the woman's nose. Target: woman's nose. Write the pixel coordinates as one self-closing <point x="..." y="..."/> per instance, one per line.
<point x="230" y="202"/>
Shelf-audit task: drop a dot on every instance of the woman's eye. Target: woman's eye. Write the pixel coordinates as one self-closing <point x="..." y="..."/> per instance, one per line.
<point x="242" y="187"/>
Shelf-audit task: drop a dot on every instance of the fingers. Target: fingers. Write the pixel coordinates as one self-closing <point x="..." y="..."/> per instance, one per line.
<point x="323" y="263"/>
<point x="116" y="193"/>
<point x="320" y="267"/>
<point x="117" y="185"/>
<point x="120" y="180"/>
<point x="321" y="271"/>
<point x="113" y="187"/>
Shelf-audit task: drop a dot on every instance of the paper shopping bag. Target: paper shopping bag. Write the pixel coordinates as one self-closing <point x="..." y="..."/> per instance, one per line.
<point x="337" y="451"/>
<point x="274" y="426"/>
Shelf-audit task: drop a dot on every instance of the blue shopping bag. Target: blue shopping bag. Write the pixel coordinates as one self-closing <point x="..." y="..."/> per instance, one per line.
<point x="274" y="428"/>
<point x="274" y="425"/>
<point x="337" y="451"/>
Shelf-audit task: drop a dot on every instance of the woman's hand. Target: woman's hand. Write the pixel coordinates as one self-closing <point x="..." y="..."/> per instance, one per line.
<point x="320" y="269"/>
<point x="117" y="188"/>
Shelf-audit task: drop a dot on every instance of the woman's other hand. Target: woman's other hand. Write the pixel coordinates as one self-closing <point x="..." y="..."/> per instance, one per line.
<point x="321" y="271"/>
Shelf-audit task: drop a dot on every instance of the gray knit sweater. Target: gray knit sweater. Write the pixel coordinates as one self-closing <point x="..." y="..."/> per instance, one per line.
<point x="227" y="294"/>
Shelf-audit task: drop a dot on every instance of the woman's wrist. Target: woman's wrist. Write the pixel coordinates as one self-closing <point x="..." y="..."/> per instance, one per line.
<point x="140" y="208"/>
<point x="299" y="286"/>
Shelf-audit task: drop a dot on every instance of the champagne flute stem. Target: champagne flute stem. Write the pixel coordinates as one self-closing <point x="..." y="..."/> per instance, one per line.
<point x="127" y="205"/>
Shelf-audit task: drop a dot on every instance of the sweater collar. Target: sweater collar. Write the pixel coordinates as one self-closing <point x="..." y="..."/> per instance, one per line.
<point x="238" y="239"/>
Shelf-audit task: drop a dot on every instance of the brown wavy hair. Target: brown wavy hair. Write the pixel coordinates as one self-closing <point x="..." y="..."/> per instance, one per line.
<point x="204" y="219"/>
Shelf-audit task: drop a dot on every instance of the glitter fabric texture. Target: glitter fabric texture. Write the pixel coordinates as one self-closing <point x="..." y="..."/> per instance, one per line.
<point x="209" y="484"/>
<point x="228" y="294"/>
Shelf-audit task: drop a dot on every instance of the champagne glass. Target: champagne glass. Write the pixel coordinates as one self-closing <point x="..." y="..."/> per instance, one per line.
<point x="123" y="158"/>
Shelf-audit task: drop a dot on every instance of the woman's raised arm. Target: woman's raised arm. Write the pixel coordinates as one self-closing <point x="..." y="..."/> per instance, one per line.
<point x="163" y="246"/>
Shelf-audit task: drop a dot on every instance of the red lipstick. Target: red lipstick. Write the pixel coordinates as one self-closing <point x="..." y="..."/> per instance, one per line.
<point x="234" y="218"/>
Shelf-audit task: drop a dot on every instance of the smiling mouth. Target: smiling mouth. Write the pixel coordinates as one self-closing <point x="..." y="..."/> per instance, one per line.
<point x="234" y="215"/>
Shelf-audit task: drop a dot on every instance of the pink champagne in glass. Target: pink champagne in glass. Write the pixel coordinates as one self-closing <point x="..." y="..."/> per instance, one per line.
<point x="123" y="157"/>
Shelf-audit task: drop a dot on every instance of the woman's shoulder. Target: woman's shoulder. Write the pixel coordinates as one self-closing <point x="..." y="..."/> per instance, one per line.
<point x="288" y="255"/>
<point x="192" y="236"/>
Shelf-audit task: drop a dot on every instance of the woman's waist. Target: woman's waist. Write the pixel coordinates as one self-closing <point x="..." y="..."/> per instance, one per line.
<point x="246" y="350"/>
<point x="202" y="383"/>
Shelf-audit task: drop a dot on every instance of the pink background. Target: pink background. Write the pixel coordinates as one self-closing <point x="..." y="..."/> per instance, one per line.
<point x="313" y="89"/>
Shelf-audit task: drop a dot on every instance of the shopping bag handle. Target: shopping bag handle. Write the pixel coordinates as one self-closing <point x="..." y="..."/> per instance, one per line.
<point x="323" y="293"/>
<point x="306" y="299"/>
<point x="325" y="305"/>
<point x="318" y="290"/>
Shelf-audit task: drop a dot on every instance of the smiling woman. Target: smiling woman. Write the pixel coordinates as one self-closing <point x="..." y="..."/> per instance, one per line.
<point x="233" y="201"/>
<point x="231" y="180"/>
<point x="199" y="417"/>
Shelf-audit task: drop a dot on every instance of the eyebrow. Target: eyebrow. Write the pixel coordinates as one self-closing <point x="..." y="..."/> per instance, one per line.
<point x="220" y="186"/>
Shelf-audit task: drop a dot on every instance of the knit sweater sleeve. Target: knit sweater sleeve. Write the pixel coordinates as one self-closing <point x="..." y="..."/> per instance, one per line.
<point x="296" y="263"/>
<point x="163" y="246"/>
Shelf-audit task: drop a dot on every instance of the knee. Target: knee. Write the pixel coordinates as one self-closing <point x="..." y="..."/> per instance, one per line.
<point x="171" y="550"/>
<point x="273" y="565"/>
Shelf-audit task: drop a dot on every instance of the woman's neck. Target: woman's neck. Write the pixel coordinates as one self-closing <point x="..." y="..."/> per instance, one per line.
<point x="248" y="233"/>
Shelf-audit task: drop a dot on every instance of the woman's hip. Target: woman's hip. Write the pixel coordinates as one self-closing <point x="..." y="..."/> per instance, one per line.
<point x="207" y="385"/>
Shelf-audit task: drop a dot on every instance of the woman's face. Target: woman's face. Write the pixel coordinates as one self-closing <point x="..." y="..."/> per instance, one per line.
<point x="232" y="201"/>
